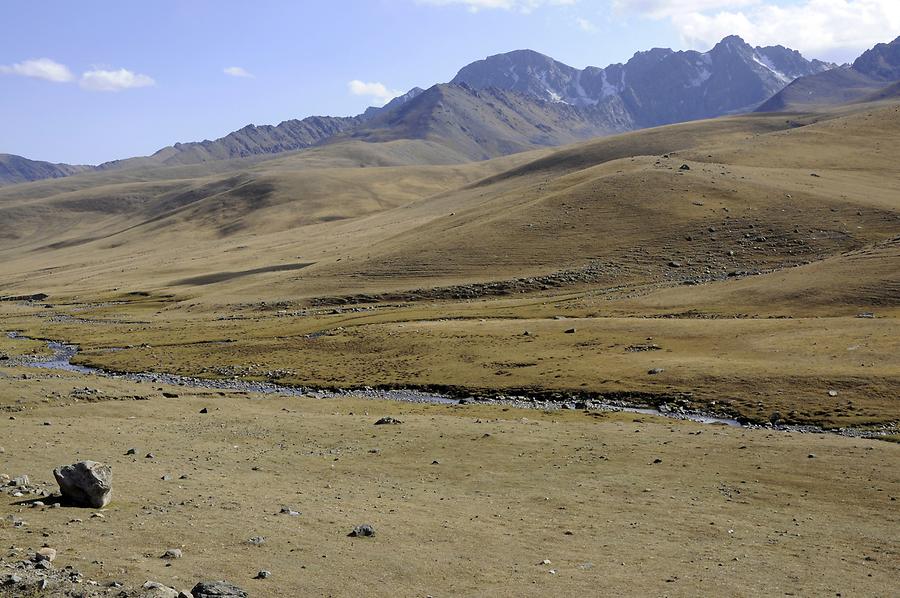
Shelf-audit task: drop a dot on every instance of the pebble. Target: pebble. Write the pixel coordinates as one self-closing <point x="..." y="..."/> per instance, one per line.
<point x="289" y="511"/>
<point x="131" y="451"/>
<point x="387" y="421"/>
<point x="263" y="574"/>
<point x="45" y="554"/>
<point x="216" y="589"/>
<point x="173" y="553"/>
<point x="362" y="531"/>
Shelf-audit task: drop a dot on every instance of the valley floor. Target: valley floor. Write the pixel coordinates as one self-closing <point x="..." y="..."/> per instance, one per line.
<point x="465" y="500"/>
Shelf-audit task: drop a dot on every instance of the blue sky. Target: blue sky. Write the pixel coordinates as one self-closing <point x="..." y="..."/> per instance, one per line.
<point x="85" y="82"/>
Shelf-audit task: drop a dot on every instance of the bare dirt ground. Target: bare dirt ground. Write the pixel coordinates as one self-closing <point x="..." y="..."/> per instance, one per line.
<point x="465" y="500"/>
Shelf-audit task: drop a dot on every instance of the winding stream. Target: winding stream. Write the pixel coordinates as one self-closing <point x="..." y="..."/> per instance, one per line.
<point x="62" y="355"/>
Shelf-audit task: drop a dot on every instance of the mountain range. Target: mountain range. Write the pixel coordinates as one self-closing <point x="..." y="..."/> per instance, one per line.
<point x="869" y="75"/>
<point x="524" y="100"/>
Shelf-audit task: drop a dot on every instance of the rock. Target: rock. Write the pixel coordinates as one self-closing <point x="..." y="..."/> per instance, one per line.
<point x="85" y="484"/>
<point x="832" y="393"/>
<point x="674" y="264"/>
<point x="204" y="410"/>
<point x="154" y="589"/>
<point x="775" y="417"/>
<point x="571" y="331"/>
<point x="170" y="395"/>
<point x="172" y="553"/>
<point x="263" y="574"/>
<point x="45" y="554"/>
<point x="131" y="451"/>
<point x="811" y="456"/>
<point x="257" y="540"/>
<point x="655" y="371"/>
<point x="387" y="421"/>
<point x="362" y="531"/>
<point x="684" y="167"/>
<point x="150" y="456"/>
<point x="289" y="511"/>
<point x="215" y="589"/>
<point x="20" y="481"/>
<point x="185" y="594"/>
<point x="865" y="314"/>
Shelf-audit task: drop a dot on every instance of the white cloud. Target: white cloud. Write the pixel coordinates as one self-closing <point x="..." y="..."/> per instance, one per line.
<point x="585" y="25"/>
<point x="104" y="80"/>
<point x="525" y="6"/>
<point x="40" y="68"/>
<point x="831" y="29"/>
<point x="666" y="8"/>
<point x="236" y="71"/>
<point x="377" y="91"/>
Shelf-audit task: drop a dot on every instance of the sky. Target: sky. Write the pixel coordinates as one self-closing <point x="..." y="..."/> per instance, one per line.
<point x="87" y="82"/>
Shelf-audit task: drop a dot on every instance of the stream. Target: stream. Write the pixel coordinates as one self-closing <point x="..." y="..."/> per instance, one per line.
<point x="62" y="355"/>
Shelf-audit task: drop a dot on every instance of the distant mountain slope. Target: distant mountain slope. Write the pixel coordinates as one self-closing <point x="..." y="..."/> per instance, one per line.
<point x="656" y="87"/>
<point x="480" y="124"/>
<point x="16" y="169"/>
<point x="522" y="100"/>
<point x="874" y="70"/>
<point x="249" y="141"/>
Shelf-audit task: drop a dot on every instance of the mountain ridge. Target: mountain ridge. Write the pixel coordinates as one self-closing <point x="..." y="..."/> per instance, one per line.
<point x="550" y="102"/>
<point x="873" y="71"/>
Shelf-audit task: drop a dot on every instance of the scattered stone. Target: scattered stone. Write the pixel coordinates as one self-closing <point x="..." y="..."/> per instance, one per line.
<point x="811" y="456"/>
<point x="217" y="589"/>
<point x="832" y="393"/>
<point x="85" y="484"/>
<point x="289" y="511"/>
<point x="150" y="456"/>
<point x="388" y="421"/>
<point x="571" y="331"/>
<point x="131" y="451"/>
<point x="172" y="553"/>
<point x="204" y="410"/>
<point x="642" y="348"/>
<point x="166" y="478"/>
<point x="684" y="167"/>
<point x="657" y="460"/>
<point x="155" y="589"/>
<point x="20" y="481"/>
<point x="263" y="574"/>
<point x="362" y="531"/>
<point x="170" y="395"/>
<point x="45" y="554"/>
<point x="655" y="371"/>
<point x="865" y="314"/>
<point x="257" y="540"/>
